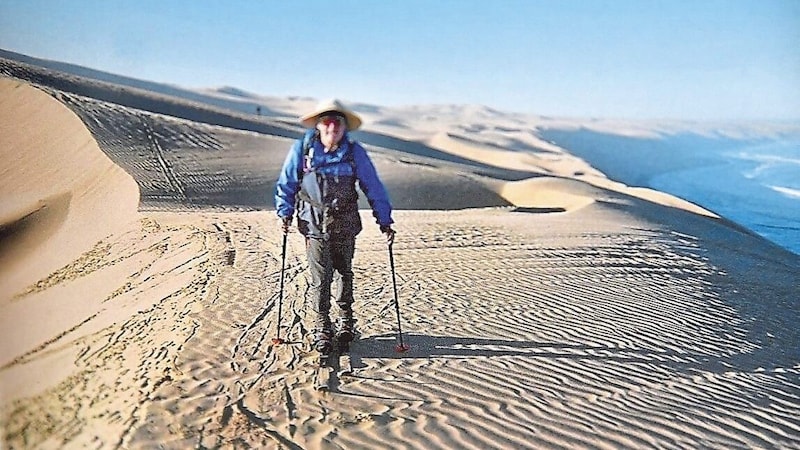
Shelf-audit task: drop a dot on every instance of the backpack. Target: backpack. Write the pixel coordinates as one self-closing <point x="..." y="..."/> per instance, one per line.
<point x="333" y="198"/>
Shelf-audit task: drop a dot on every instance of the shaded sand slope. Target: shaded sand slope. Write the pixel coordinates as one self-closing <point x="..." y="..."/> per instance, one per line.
<point x="615" y="322"/>
<point x="198" y="165"/>
<point x="153" y="97"/>
<point x="60" y="194"/>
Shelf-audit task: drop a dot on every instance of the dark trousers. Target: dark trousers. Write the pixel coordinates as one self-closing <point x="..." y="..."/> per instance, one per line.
<point x="329" y="261"/>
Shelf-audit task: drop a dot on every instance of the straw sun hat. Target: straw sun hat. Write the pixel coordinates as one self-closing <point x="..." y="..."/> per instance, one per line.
<point x="329" y="106"/>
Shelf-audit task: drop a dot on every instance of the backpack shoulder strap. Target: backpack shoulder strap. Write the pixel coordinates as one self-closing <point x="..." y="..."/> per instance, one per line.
<point x="351" y="158"/>
<point x="308" y="151"/>
<point x="308" y="139"/>
<point x="308" y="148"/>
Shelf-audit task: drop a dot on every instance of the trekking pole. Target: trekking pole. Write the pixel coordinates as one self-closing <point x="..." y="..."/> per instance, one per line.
<point x="401" y="347"/>
<point x="277" y="340"/>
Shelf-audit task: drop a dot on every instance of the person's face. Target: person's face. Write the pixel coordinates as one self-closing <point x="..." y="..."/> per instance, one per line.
<point x="331" y="129"/>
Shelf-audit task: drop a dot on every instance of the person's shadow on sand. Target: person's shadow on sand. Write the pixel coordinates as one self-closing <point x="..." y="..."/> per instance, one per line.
<point x="424" y="346"/>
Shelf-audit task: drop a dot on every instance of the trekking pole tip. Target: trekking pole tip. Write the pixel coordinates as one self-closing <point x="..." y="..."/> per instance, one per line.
<point x="402" y="348"/>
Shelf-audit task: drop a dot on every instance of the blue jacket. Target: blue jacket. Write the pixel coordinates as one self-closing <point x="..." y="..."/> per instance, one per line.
<point x="328" y="188"/>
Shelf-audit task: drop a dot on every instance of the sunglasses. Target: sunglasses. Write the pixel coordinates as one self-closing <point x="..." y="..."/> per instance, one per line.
<point x="330" y="120"/>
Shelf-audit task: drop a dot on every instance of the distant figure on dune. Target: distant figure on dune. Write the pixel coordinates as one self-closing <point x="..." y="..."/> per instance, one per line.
<point x="318" y="182"/>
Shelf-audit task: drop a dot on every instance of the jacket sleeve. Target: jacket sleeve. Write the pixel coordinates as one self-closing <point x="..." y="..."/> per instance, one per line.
<point x="288" y="181"/>
<point x="372" y="186"/>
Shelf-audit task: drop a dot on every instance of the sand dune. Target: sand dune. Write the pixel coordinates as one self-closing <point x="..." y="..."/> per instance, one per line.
<point x="60" y="193"/>
<point x="546" y="306"/>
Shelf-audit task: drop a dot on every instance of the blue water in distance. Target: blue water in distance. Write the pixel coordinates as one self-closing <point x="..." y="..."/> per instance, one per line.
<point x="756" y="186"/>
<point x="753" y="182"/>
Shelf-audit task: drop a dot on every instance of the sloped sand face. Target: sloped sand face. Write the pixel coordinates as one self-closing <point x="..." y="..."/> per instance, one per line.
<point x="558" y="314"/>
<point x="60" y="192"/>
<point x="60" y="195"/>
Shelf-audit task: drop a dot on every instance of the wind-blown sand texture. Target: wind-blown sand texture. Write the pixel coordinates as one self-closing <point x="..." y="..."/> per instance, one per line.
<point x="546" y="306"/>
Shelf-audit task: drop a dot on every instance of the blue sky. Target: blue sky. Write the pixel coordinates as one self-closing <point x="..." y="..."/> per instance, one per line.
<point x="694" y="59"/>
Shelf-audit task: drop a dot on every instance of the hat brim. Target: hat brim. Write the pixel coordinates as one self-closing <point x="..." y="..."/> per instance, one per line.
<point x="310" y="119"/>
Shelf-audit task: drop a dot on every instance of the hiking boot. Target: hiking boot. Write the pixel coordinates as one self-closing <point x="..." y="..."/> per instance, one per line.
<point x="344" y="330"/>
<point x="322" y="341"/>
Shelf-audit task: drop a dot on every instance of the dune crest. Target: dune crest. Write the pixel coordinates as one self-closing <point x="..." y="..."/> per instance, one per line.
<point x="60" y="193"/>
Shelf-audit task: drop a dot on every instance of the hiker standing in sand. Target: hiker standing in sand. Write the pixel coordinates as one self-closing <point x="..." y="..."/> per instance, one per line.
<point x="318" y="182"/>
